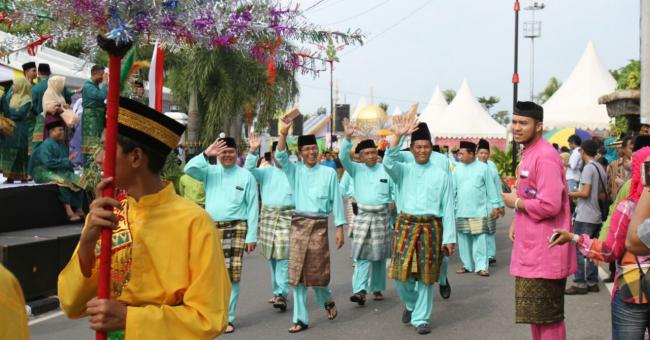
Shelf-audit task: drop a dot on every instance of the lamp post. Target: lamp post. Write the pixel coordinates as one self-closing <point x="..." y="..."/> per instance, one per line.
<point x="515" y="84"/>
<point x="532" y="31"/>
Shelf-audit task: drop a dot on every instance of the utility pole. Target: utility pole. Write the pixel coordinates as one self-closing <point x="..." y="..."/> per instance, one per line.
<point x="515" y="84"/>
<point x="532" y="31"/>
<point x="645" y="61"/>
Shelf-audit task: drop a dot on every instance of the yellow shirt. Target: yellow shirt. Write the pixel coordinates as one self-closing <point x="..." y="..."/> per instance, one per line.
<point x="167" y="266"/>
<point x="13" y="318"/>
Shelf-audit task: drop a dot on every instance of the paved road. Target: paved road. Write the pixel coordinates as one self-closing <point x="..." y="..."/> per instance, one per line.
<point x="479" y="308"/>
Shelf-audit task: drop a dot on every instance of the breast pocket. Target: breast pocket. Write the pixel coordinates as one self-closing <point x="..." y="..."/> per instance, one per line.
<point x="238" y="194"/>
<point x="381" y="187"/>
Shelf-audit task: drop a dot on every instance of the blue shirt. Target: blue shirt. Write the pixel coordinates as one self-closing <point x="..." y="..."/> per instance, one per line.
<point x="372" y="186"/>
<point x="274" y="185"/>
<point x="475" y="193"/>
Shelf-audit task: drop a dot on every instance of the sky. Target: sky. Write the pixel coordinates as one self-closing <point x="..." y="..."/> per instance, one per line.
<point x="414" y="45"/>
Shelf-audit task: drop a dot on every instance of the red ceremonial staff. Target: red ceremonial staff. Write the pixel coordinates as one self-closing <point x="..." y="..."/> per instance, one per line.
<point x="116" y="50"/>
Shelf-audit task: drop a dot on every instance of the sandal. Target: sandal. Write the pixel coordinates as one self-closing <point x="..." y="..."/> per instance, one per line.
<point x="298" y="327"/>
<point x="281" y="303"/>
<point x="74" y="218"/>
<point x="329" y="306"/>
<point x="462" y="270"/>
<point x="272" y="300"/>
<point x="484" y="273"/>
<point x="378" y="296"/>
<point x="232" y="328"/>
<point x="359" y="298"/>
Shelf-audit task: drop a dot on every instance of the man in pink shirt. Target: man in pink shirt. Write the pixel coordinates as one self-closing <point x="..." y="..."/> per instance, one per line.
<point x="541" y="204"/>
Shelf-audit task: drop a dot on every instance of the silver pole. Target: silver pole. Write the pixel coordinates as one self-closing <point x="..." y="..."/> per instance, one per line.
<point x="645" y="62"/>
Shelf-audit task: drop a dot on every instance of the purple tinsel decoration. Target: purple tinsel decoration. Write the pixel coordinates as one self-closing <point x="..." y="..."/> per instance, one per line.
<point x="203" y="24"/>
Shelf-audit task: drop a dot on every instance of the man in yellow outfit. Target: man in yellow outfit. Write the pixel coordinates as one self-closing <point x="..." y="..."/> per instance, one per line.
<point x="13" y="318"/>
<point x="168" y="275"/>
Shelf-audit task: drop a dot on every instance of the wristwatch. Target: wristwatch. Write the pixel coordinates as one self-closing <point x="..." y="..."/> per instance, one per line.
<point x="575" y="238"/>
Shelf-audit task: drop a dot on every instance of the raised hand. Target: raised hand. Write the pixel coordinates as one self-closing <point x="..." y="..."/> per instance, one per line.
<point x="215" y="149"/>
<point x="254" y="142"/>
<point x="349" y="128"/>
<point x="405" y="126"/>
<point x="284" y="127"/>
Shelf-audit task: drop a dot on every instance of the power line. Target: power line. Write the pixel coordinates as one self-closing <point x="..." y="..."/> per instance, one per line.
<point x="402" y="20"/>
<point x="314" y="5"/>
<point x="332" y="4"/>
<point x="359" y="14"/>
<point x="362" y="94"/>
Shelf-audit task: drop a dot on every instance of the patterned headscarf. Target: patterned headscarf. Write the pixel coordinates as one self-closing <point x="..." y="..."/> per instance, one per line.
<point x="636" y="187"/>
<point x="22" y="93"/>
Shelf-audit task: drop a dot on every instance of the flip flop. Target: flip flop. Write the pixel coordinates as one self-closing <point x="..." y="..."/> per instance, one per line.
<point x="378" y="296"/>
<point x="301" y="327"/>
<point x="272" y="300"/>
<point x="462" y="270"/>
<point x="328" y="307"/>
<point x="359" y="298"/>
<point x="484" y="273"/>
<point x="231" y="331"/>
<point x="280" y="303"/>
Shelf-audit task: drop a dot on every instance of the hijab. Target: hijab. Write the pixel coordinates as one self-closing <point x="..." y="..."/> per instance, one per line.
<point x="54" y="94"/>
<point x="22" y="93"/>
<point x="636" y="187"/>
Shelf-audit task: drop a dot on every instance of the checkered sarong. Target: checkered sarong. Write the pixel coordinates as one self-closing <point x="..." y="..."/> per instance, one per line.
<point x="372" y="235"/>
<point x="349" y="213"/>
<point x="233" y="242"/>
<point x="273" y="234"/>
<point x="476" y="226"/>
<point x="417" y="249"/>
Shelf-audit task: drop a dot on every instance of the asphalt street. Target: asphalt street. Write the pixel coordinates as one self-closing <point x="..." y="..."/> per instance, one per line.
<point x="479" y="308"/>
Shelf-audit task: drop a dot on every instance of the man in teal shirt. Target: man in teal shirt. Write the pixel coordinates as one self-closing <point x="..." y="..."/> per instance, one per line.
<point x="275" y="219"/>
<point x="231" y="199"/>
<point x="483" y="154"/>
<point x="476" y="203"/>
<point x="372" y="229"/>
<point x="425" y="228"/>
<point x="93" y="120"/>
<point x="316" y="196"/>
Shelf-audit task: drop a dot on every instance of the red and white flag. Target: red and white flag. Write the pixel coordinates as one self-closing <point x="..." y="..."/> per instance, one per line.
<point x="156" y="78"/>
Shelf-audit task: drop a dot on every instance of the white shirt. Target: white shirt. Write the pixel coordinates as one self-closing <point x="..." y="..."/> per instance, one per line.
<point x="575" y="165"/>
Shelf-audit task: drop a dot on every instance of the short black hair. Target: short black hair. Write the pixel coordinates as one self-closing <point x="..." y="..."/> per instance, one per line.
<point x="627" y="140"/>
<point x="565" y="149"/>
<point x="156" y="159"/>
<point x="96" y="69"/>
<point x="556" y="146"/>
<point x="575" y="139"/>
<point x="590" y="147"/>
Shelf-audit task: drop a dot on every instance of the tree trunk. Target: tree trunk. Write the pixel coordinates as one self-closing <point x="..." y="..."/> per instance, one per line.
<point x="235" y="127"/>
<point x="194" y="118"/>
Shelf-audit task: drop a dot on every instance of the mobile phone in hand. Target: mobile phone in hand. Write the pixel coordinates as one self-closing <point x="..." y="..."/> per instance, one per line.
<point x="553" y="237"/>
<point x="645" y="173"/>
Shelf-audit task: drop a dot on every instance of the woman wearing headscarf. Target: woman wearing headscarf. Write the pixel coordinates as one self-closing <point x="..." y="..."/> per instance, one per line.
<point x="630" y="307"/>
<point x="16" y="105"/>
<point x="53" y="104"/>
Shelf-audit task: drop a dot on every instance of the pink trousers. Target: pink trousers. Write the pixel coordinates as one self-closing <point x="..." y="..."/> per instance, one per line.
<point x="553" y="331"/>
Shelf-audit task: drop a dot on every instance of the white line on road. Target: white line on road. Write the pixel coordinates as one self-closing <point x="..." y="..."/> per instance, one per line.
<point x="45" y="318"/>
<point x="603" y="275"/>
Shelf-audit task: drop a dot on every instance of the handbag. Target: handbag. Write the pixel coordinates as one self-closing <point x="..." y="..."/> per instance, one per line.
<point x="644" y="280"/>
<point x="70" y="118"/>
<point x="603" y="198"/>
<point x="7" y="126"/>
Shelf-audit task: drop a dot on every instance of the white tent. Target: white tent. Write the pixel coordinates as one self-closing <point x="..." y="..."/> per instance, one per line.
<point x="575" y="103"/>
<point x="435" y="108"/>
<point x="396" y="112"/>
<point x="361" y="103"/>
<point x="466" y="118"/>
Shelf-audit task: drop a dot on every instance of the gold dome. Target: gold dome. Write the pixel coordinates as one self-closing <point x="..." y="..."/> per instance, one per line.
<point x="372" y="113"/>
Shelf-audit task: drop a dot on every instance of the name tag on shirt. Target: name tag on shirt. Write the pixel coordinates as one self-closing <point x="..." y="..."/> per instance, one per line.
<point x="383" y="180"/>
<point x="524" y="174"/>
<point x="239" y="188"/>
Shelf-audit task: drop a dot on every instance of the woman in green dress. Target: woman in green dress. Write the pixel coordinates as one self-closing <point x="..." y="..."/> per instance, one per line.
<point x="16" y="105"/>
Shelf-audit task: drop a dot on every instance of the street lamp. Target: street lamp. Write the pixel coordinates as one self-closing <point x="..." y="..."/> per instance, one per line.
<point x="532" y="31"/>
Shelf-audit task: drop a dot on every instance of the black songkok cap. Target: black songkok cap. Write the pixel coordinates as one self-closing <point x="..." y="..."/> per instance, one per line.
<point x="306" y="140"/>
<point x="641" y="141"/>
<point x="274" y="146"/>
<point x="483" y="144"/>
<point x="230" y="142"/>
<point x="28" y="65"/>
<point x="529" y="109"/>
<point x="436" y="148"/>
<point x="365" y="144"/>
<point x="422" y="133"/>
<point x="148" y="126"/>
<point x="44" y="68"/>
<point x="468" y="146"/>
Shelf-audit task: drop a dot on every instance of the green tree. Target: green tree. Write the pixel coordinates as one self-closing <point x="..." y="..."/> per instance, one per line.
<point x="502" y="117"/>
<point x="628" y="77"/>
<point x="552" y="86"/>
<point x="488" y="102"/>
<point x="321" y="110"/>
<point x="384" y="107"/>
<point x="449" y="95"/>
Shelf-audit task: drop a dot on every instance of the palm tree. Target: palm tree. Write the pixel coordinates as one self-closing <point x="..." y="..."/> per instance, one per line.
<point x="488" y="102"/>
<point x="227" y="85"/>
<point x="552" y="86"/>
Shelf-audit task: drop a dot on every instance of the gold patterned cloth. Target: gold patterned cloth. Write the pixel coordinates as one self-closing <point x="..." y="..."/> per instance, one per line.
<point x="539" y="301"/>
<point x="309" y="252"/>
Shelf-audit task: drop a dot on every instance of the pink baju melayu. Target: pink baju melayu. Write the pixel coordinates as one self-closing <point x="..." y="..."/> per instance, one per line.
<point x="541" y="185"/>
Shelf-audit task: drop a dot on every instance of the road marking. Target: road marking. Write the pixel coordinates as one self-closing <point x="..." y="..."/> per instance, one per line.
<point x="45" y="318"/>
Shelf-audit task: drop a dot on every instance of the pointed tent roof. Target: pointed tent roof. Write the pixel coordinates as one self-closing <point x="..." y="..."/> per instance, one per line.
<point x="575" y="103"/>
<point x="466" y="118"/>
<point x="435" y="108"/>
<point x="396" y="112"/>
<point x="361" y="103"/>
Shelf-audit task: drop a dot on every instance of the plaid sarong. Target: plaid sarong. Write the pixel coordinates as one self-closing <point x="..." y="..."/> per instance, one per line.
<point x="309" y="254"/>
<point x="233" y="241"/>
<point x="273" y="233"/>
<point x="349" y="213"/>
<point x="476" y="226"/>
<point x="372" y="235"/>
<point x="539" y="301"/>
<point x="417" y="249"/>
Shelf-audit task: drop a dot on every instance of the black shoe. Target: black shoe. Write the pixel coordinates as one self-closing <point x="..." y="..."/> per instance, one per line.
<point x="610" y="279"/>
<point x="492" y="261"/>
<point x="424" y="328"/>
<point x="593" y="289"/>
<point x="406" y="316"/>
<point x="445" y="291"/>
<point x="359" y="298"/>
<point x="575" y="290"/>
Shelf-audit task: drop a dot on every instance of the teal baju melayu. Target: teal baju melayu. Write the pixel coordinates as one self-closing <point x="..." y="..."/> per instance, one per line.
<point x="491" y="239"/>
<point x="230" y="196"/>
<point x="475" y="199"/>
<point x="277" y="205"/>
<point x="316" y="195"/>
<point x="423" y="191"/>
<point x="372" y="235"/>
